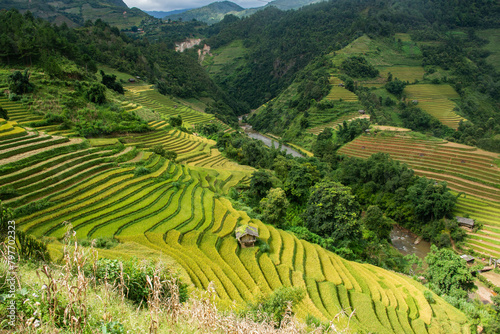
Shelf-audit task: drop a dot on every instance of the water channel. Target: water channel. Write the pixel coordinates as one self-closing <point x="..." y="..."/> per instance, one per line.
<point x="269" y="141"/>
<point x="404" y="241"/>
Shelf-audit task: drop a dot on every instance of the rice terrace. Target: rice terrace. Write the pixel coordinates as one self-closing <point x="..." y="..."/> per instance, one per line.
<point x="148" y="189"/>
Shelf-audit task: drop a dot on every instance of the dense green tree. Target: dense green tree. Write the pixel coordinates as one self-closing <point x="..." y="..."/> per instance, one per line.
<point x="432" y="200"/>
<point x="395" y="87"/>
<point x="109" y="80"/>
<point x="3" y="114"/>
<point x="448" y="273"/>
<point x="274" y="206"/>
<point x="375" y="221"/>
<point x="333" y="212"/>
<point x="358" y="67"/>
<point x="260" y="183"/>
<point x="96" y="93"/>
<point x="300" y="179"/>
<point x="176" y="120"/>
<point x="19" y="83"/>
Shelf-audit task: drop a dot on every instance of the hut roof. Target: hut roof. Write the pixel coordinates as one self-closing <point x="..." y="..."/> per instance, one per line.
<point x="467" y="258"/>
<point x="243" y="230"/>
<point x="465" y="221"/>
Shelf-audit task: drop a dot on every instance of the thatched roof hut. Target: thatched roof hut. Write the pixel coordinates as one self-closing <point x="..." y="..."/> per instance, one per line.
<point x="247" y="235"/>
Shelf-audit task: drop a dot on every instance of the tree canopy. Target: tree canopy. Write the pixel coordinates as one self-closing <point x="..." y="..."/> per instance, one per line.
<point x="333" y="212"/>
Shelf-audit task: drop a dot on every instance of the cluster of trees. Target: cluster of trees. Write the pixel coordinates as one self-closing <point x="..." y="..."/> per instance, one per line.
<point x="34" y="41"/>
<point x="346" y="205"/>
<point x="358" y="67"/>
<point x="280" y="44"/>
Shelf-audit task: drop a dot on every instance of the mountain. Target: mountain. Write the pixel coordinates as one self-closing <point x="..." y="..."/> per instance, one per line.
<point x="210" y="14"/>
<point x="280" y="4"/>
<point x="216" y="11"/>
<point x="161" y="14"/>
<point x="76" y="13"/>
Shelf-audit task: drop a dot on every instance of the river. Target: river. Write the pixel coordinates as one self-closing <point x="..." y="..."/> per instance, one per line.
<point x="269" y="142"/>
<point x="404" y="241"/>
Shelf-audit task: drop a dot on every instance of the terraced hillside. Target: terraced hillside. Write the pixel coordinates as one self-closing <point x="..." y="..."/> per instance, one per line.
<point x="175" y="210"/>
<point x="146" y="96"/>
<point x="10" y="130"/>
<point x="339" y="92"/>
<point x="18" y="112"/>
<point x="436" y="100"/>
<point x="466" y="169"/>
<point x="37" y="166"/>
<point x="351" y="116"/>
<point x="191" y="149"/>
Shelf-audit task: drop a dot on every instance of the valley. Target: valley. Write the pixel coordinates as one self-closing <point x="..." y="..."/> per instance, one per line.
<point x="118" y="150"/>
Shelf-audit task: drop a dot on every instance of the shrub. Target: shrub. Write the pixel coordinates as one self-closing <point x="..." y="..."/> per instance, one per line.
<point x="176" y="120"/>
<point x="263" y="246"/>
<point x="31" y="249"/>
<point x="32" y="207"/>
<point x="275" y="305"/>
<point x="140" y="171"/>
<point x="101" y="242"/>
<point x="134" y="276"/>
<point x="429" y="297"/>
<point x="96" y="93"/>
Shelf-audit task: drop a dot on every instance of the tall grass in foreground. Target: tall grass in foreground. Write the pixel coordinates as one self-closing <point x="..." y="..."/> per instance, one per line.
<point x="64" y="298"/>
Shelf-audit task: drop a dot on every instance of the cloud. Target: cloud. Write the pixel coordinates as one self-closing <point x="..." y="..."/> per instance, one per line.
<point x="169" y="5"/>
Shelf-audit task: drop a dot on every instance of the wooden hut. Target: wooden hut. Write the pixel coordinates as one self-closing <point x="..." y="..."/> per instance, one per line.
<point x="247" y="235"/>
<point x="465" y="222"/>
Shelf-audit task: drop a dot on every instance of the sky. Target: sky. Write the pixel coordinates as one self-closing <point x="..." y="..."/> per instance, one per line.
<point x="168" y="5"/>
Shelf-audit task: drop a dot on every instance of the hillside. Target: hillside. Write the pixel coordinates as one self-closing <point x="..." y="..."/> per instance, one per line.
<point x="215" y="12"/>
<point x="209" y="14"/>
<point x="161" y="14"/>
<point x="95" y="186"/>
<point x="76" y="13"/>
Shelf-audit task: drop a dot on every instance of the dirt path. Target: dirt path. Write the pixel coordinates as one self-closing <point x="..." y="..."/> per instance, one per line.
<point x="483" y="293"/>
<point x="18" y="157"/>
<point x="493" y="277"/>
<point x="138" y="157"/>
<point x="390" y="128"/>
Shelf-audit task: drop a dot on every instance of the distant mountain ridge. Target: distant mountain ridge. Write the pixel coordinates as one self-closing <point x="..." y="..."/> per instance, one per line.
<point x="76" y="13"/>
<point x="216" y="11"/>
<point x="210" y="14"/>
<point x="161" y="14"/>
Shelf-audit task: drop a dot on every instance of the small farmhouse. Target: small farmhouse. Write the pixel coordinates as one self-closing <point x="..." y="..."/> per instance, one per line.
<point x="247" y="235"/>
<point x="465" y="222"/>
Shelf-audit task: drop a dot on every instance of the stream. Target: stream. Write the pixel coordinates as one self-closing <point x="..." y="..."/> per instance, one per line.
<point x="269" y="141"/>
<point x="404" y="241"/>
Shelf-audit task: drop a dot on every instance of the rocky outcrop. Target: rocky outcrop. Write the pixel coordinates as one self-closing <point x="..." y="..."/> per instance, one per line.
<point x="187" y="44"/>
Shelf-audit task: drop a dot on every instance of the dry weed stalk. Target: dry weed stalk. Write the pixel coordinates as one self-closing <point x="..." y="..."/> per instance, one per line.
<point x="49" y="291"/>
<point x="173" y="304"/>
<point x="154" y="300"/>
